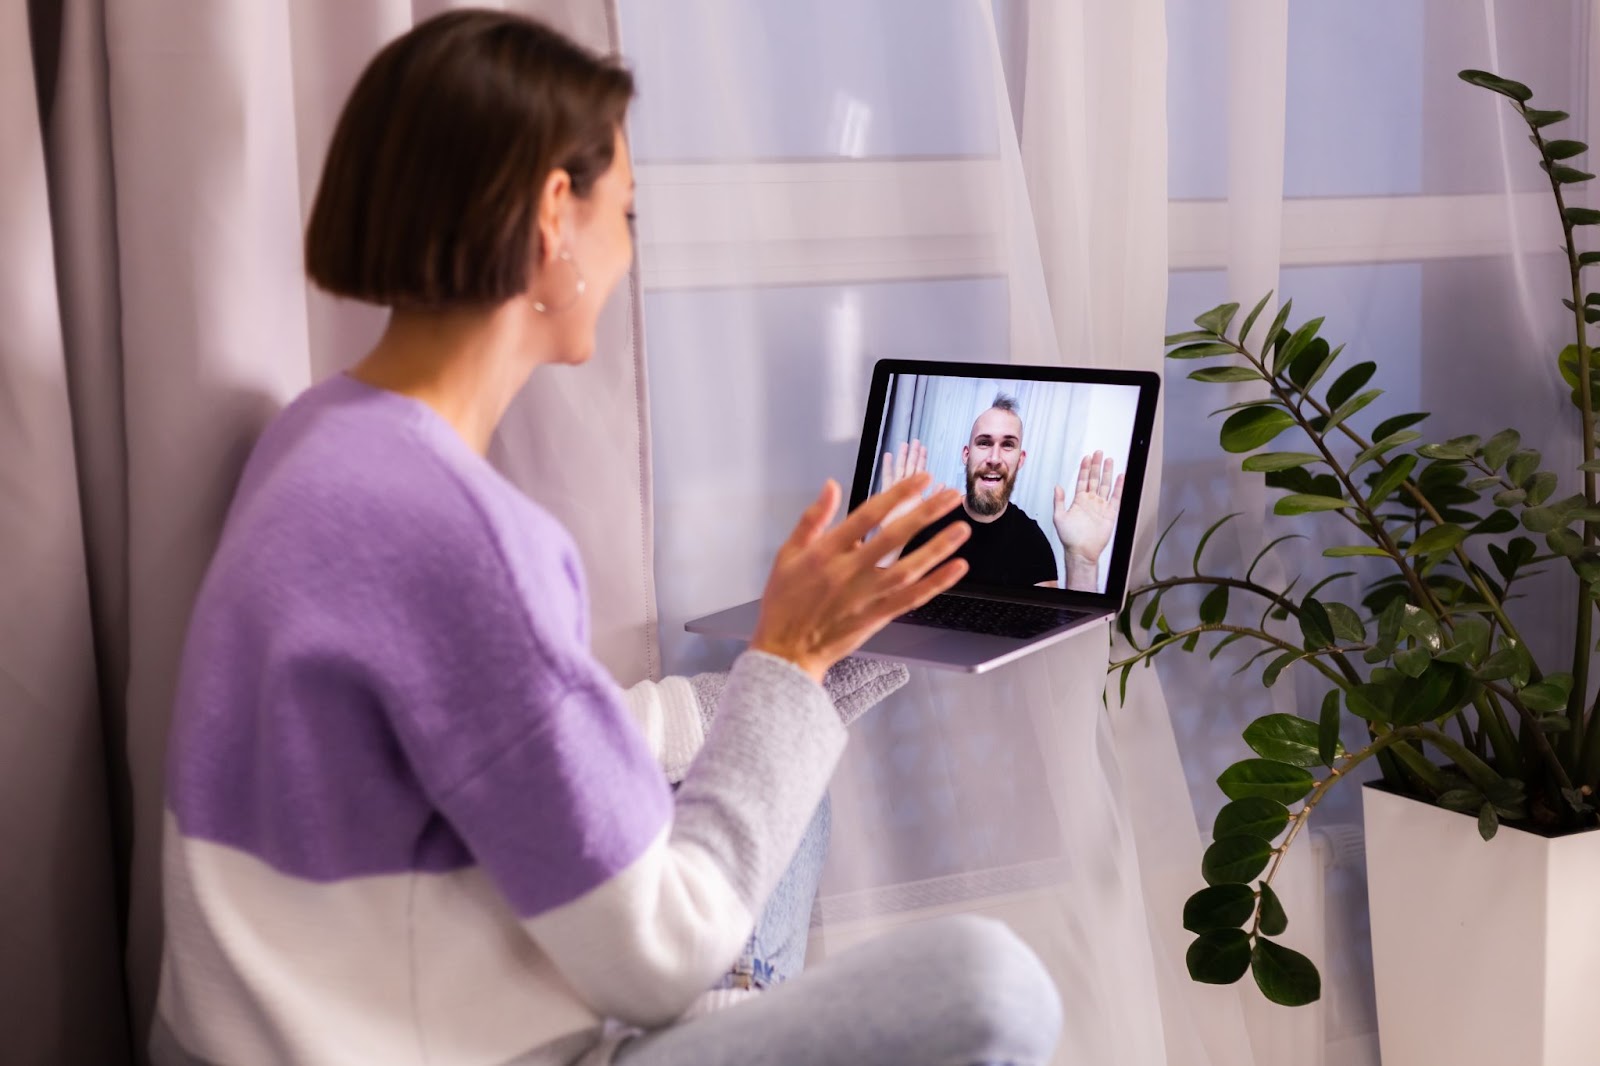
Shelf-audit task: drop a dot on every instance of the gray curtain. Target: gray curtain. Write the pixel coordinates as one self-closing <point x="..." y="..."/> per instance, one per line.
<point x="157" y="159"/>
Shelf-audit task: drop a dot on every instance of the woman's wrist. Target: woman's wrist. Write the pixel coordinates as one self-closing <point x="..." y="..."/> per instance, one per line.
<point x="808" y="664"/>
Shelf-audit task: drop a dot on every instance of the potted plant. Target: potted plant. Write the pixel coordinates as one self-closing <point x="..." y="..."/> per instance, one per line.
<point x="1482" y="953"/>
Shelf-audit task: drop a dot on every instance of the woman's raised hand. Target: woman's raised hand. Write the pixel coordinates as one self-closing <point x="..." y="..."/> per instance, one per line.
<point x="826" y="594"/>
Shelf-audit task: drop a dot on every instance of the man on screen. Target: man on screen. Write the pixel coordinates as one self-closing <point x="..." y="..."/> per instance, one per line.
<point x="1007" y="547"/>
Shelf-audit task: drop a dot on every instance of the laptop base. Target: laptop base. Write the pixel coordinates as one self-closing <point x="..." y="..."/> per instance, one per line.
<point x="943" y="649"/>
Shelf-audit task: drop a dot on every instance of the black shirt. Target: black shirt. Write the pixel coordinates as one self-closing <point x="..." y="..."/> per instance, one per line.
<point x="1011" y="550"/>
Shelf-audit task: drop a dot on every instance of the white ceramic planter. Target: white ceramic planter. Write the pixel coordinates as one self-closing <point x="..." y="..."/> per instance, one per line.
<point x="1484" y="953"/>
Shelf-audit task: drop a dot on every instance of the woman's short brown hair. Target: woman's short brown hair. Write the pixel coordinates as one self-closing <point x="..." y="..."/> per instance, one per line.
<point x="432" y="181"/>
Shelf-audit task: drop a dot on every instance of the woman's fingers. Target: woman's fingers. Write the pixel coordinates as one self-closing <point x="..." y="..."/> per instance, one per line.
<point x="898" y="531"/>
<point x="897" y="602"/>
<point x="910" y="567"/>
<point x="864" y="519"/>
<point x="815" y="518"/>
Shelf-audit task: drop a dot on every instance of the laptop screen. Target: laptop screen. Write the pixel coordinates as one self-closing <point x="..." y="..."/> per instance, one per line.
<point x="1050" y="461"/>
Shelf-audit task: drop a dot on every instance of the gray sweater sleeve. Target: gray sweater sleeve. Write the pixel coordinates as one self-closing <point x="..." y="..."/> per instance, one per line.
<point x="748" y="796"/>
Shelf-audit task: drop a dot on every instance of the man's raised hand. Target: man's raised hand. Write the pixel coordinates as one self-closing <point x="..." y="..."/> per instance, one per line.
<point x="1084" y="526"/>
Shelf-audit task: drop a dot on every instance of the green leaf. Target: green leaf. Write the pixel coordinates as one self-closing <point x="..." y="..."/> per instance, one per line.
<point x="1461" y="800"/>
<point x="1273" y="920"/>
<point x="1564" y="149"/>
<point x="1347" y="624"/>
<point x="1501" y="521"/>
<point x="1265" y="777"/>
<point x="1389" y="623"/>
<point x="1349" y="382"/>
<point x="1225" y="906"/>
<point x="1549" y="694"/>
<point x="1498" y="448"/>
<point x="1502" y="664"/>
<point x="1350" y="407"/>
<point x="1564" y="542"/>
<point x="1188" y="338"/>
<point x="1419" y="624"/>
<point x="1412" y="661"/>
<point x="1224" y="373"/>
<point x="1284" y="738"/>
<point x="1372" y="702"/>
<point x="1568" y="175"/>
<point x="1201" y="351"/>
<point x="1255" y="816"/>
<point x="1345" y="551"/>
<point x="1219" y="957"/>
<point x="1328" y="746"/>
<point x="1214" y="608"/>
<point x="1315" y="625"/>
<point x="1387" y="444"/>
<point x="1249" y="429"/>
<point x="1542" y="519"/>
<point x="1510" y="497"/>
<point x="1295" y="344"/>
<point x="1471" y="641"/>
<point x="1206" y="537"/>
<point x="1521" y="465"/>
<point x="1449" y="450"/>
<point x="1223" y="643"/>
<point x="1216" y="320"/>
<point x="1235" y="860"/>
<point x="1391" y="478"/>
<point x="1398" y="422"/>
<point x="1304" y="503"/>
<point x="1538" y="489"/>
<point x="1262" y="554"/>
<point x="1255" y="313"/>
<point x="1278" y="461"/>
<point x="1539" y="119"/>
<point x="1488" y="821"/>
<point x="1284" y="976"/>
<point x="1496" y="84"/>
<point x="1269" y="676"/>
<point x="1437" y="540"/>
<point x="1581" y="216"/>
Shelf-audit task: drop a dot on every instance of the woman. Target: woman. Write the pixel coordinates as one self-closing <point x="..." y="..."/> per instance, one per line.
<point x="410" y="819"/>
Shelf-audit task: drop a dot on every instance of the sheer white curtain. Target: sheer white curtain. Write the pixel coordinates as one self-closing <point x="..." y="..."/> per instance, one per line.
<point x="1330" y="153"/>
<point x="865" y="194"/>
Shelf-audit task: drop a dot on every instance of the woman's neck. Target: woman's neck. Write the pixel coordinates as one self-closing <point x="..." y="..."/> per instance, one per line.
<point x="467" y="365"/>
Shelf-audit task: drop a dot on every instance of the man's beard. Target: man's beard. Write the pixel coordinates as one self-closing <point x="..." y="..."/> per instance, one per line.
<point x="993" y="499"/>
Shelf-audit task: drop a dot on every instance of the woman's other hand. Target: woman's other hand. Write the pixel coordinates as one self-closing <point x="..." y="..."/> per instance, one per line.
<point x="826" y="594"/>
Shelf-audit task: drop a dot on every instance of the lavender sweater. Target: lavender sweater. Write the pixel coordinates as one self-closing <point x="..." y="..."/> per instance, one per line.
<point x="409" y="817"/>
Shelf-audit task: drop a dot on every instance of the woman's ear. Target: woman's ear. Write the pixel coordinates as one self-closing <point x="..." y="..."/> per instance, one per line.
<point x="555" y="199"/>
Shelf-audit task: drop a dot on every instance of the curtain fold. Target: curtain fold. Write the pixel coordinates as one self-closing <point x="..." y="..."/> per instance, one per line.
<point x="58" y="901"/>
<point x="152" y="201"/>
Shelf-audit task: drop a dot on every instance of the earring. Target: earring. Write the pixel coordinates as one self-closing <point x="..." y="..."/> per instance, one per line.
<point x="565" y="256"/>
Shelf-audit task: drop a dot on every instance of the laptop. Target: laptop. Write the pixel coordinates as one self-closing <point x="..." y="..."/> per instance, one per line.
<point x="1007" y="435"/>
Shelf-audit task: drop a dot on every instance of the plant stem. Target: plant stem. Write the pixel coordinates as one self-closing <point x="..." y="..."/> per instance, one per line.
<point x="1576" y="740"/>
<point x="1261" y="635"/>
<point x="1492" y="717"/>
<point x="1541" y="742"/>
<point x="1314" y="797"/>
<point x="1375" y="528"/>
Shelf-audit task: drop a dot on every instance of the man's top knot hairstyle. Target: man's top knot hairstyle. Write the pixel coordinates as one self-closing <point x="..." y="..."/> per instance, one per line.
<point x="430" y="190"/>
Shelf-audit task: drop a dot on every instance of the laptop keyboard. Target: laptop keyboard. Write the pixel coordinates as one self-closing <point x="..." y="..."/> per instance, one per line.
<point x="993" y="617"/>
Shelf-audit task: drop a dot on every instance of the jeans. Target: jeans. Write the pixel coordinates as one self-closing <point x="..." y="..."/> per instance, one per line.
<point x="960" y="991"/>
<point x="776" y="950"/>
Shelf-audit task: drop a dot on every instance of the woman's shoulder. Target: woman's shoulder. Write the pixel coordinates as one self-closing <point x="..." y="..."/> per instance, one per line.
<point x="356" y="483"/>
